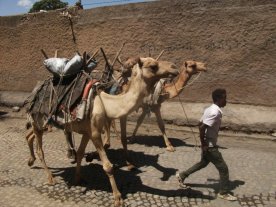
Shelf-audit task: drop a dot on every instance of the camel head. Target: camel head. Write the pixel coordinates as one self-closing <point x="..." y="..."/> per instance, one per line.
<point x="128" y="65"/>
<point x="193" y="67"/>
<point x="155" y="70"/>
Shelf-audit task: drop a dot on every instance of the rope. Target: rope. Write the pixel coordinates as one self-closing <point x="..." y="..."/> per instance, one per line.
<point x="185" y="85"/>
<point x="194" y="80"/>
<point x="196" y="142"/>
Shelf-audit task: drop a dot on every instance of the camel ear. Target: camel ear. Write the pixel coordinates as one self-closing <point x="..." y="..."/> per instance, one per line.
<point x="140" y="63"/>
<point x="194" y="65"/>
<point x="185" y="63"/>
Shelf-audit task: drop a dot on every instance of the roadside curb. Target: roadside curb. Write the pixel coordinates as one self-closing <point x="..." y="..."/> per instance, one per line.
<point x="236" y="117"/>
<point x="194" y="130"/>
<point x="13" y="98"/>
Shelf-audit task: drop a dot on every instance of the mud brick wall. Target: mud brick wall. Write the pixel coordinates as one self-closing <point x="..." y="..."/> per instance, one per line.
<point x="235" y="38"/>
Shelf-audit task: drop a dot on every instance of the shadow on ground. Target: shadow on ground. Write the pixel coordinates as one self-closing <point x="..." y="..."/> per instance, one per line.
<point x="214" y="184"/>
<point x="157" y="141"/>
<point x="94" y="178"/>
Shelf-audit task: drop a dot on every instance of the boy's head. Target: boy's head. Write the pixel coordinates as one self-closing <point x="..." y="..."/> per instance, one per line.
<point x="219" y="97"/>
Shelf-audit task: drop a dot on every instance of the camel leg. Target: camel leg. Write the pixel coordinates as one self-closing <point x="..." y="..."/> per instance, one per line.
<point x="71" y="152"/>
<point x="123" y="121"/>
<point x="107" y="134"/>
<point x="107" y="166"/>
<point x="30" y="140"/>
<point x="139" y="121"/>
<point x="80" y="154"/>
<point x="108" y="124"/>
<point x="115" y="129"/>
<point x="38" y="135"/>
<point x="161" y="125"/>
<point x="49" y="128"/>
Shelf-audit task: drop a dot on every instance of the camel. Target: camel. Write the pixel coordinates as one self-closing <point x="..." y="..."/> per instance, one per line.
<point x="71" y="152"/>
<point x="170" y="90"/>
<point x="145" y="74"/>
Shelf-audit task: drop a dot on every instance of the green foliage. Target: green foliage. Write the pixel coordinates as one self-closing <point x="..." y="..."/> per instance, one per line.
<point x="48" y="5"/>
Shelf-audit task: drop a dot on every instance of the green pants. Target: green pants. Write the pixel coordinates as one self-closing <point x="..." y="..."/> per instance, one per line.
<point x="214" y="156"/>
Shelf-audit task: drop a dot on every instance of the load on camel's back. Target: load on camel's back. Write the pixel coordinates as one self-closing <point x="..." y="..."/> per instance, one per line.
<point x="60" y="94"/>
<point x="145" y="73"/>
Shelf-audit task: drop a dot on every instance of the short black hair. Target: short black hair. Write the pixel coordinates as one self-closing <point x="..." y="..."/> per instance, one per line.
<point x="218" y="93"/>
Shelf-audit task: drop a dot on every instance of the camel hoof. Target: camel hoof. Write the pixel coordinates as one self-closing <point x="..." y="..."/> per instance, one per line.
<point x="132" y="140"/>
<point x="71" y="154"/>
<point x="90" y="156"/>
<point x="131" y="167"/>
<point x="170" y="149"/>
<point x="119" y="203"/>
<point x="52" y="181"/>
<point x="106" y="146"/>
<point x="31" y="161"/>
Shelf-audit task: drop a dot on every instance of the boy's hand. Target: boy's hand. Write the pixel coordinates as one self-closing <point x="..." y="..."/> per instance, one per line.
<point x="204" y="148"/>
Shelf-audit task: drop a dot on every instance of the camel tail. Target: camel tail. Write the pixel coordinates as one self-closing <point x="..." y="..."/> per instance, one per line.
<point x="28" y="125"/>
<point x="29" y="122"/>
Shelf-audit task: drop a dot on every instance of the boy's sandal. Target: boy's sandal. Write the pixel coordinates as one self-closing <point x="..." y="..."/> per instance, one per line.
<point x="227" y="197"/>
<point x="181" y="181"/>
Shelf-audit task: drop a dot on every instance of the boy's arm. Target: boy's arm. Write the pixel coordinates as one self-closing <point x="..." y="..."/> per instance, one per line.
<point x="202" y="130"/>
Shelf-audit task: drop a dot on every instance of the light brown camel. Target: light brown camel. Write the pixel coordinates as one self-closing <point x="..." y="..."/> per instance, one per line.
<point x="144" y="75"/>
<point x="71" y="152"/>
<point x="170" y="90"/>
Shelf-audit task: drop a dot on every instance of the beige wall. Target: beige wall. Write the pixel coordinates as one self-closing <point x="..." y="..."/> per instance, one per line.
<point x="237" y="40"/>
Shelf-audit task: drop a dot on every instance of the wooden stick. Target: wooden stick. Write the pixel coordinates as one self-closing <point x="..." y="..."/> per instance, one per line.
<point x="56" y="53"/>
<point x="117" y="55"/>
<point x="89" y="60"/>
<point x="105" y="58"/>
<point x="84" y="59"/>
<point x="120" y="61"/>
<point x="160" y="54"/>
<point x="44" y="54"/>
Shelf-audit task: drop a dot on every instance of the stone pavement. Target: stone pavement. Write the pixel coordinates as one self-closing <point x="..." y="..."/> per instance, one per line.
<point x="252" y="164"/>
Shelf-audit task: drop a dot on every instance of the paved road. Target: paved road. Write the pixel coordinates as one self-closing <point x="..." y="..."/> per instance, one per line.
<point x="252" y="164"/>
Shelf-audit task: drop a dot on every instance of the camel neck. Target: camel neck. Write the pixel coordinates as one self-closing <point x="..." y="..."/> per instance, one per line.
<point x="122" y="104"/>
<point x="175" y="88"/>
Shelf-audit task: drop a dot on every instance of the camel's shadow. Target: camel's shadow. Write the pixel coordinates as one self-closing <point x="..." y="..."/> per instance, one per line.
<point x="127" y="181"/>
<point x="157" y="141"/>
<point x="139" y="159"/>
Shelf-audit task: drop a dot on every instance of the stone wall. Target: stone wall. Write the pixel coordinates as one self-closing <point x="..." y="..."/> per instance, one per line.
<point x="236" y="38"/>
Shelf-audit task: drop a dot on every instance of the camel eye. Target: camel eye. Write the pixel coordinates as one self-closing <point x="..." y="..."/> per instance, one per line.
<point x="154" y="68"/>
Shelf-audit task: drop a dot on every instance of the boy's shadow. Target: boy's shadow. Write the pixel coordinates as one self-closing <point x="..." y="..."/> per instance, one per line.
<point x="215" y="184"/>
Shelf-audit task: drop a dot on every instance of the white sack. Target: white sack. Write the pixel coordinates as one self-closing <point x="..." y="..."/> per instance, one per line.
<point x="55" y="65"/>
<point x="73" y="66"/>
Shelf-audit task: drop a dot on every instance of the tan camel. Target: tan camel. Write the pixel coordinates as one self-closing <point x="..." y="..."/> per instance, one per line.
<point x="71" y="152"/>
<point x="170" y="90"/>
<point x="144" y="75"/>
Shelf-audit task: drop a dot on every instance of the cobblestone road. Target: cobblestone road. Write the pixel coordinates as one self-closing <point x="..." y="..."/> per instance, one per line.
<point x="252" y="165"/>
